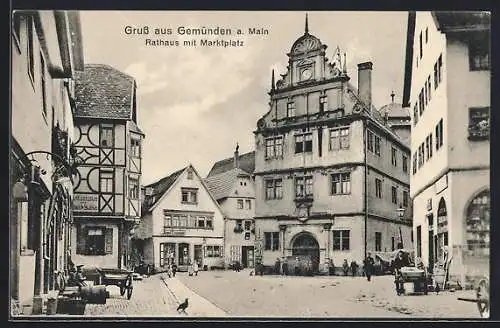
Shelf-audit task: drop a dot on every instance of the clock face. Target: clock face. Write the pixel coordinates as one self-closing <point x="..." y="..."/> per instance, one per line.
<point x="306" y="74"/>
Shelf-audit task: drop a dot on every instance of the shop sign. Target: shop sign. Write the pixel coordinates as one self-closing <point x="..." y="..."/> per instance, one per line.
<point x="176" y="232"/>
<point x="85" y="202"/>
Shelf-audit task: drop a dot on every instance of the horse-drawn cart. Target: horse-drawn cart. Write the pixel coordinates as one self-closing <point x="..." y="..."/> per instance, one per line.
<point x="117" y="277"/>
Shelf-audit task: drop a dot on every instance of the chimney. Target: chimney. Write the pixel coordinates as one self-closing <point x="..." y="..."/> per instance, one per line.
<point x="237" y="156"/>
<point x="365" y="83"/>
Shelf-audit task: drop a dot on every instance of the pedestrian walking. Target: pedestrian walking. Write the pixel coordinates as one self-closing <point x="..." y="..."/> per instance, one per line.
<point x="331" y="268"/>
<point x="369" y="266"/>
<point x="284" y="267"/>
<point x="277" y="266"/>
<point x="190" y="268"/>
<point x="354" y="268"/>
<point x="398" y="263"/>
<point x="174" y="270"/>
<point x="196" y="268"/>
<point x="345" y="267"/>
<point x="169" y="271"/>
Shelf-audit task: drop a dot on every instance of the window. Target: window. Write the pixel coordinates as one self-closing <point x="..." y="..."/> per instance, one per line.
<point x="393" y="245"/>
<point x="425" y="93"/>
<point x="186" y="220"/>
<point x="135" y="148"/>
<point x="479" y="123"/>
<point x="167" y="253"/>
<point x="341" y="240"/>
<point x="271" y="241"/>
<point x="209" y="222"/>
<point x="426" y="34"/>
<point x="439" y="134"/>
<point x="133" y="188"/>
<point x="16" y="24"/>
<point x="339" y="138"/>
<point x="304" y="186"/>
<point x="274" y="147"/>
<point x="440" y="68"/>
<point x="106" y="181"/>
<point x="378" y="188"/>
<point x="429" y="87"/>
<point x="405" y="198"/>
<point x="240" y="204"/>
<point x="427" y="148"/>
<point x="421" y="154"/>
<point x="341" y="184"/>
<point x="248" y="204"/>
<point x="378" y="241"/>
<point x="248" y="225"/>
<point x="106" y="135"/>
<point x="290" y="109"/>
<point x="30" y="52"/>
<point x="478" y="225"/>
<point x="430" y="145"/>
<point x="94" y="240"/>
<point x="189" y="195"/>
<point x="419" y="241"/>
<point x="394" y="195"/>
<point x="190" y="175"/>
<point x="201" y="222"/>
<point x="377" y="145"/>
<point x="369" y="140"/>
<point x="394" y="158"/>
<point x="479" y="54"/>
<point x="421" y="103"/>
<point x="213" y="251"/>
<point x="323" y="103"/>
<point x="274" y="189"/>
<point x="415" y="163"/>
<point x="303" y="142"/>
<point x="26" y="234"/>
<point x="43" y="85"/>
<point x="415" y="114"/>
<point x="421" y="46"/>
<point x="405" y="164"/>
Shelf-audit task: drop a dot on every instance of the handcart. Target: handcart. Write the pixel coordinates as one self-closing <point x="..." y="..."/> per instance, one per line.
<point x="482" y="298"/>
<point x="417" y="276"/>
<point x="117" y="277"/>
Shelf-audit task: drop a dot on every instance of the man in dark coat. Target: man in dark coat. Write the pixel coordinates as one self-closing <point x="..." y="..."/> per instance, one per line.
<point x="369" y="263"/>
<point x="399" y="262"/>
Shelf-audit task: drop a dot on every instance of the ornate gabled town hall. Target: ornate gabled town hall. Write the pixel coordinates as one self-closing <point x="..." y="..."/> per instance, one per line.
<point x="322" y="192"/>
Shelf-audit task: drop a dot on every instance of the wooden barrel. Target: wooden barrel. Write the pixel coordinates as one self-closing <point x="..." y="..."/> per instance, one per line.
<point x="94" y="294"/>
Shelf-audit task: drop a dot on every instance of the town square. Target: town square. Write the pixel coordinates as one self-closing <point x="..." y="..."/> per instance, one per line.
<point x="209" y="164"/>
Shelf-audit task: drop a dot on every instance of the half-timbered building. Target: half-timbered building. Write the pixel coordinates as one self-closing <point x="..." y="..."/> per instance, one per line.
<point x="108" y="142"/>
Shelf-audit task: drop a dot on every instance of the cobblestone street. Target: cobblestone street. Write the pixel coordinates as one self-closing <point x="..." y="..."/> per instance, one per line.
<point x="240" y="294"/>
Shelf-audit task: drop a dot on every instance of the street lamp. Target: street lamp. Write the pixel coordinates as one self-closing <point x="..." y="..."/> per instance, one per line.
<point x="400" y="212"/>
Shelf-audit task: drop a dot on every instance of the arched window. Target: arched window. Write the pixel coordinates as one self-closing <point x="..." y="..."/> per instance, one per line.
<point x="478" y="225"/>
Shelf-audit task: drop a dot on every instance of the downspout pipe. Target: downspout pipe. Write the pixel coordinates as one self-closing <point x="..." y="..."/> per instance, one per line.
<point x="365" y="134"/>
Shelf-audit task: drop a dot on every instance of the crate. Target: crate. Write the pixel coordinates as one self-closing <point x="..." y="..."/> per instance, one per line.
<point x="66" y="305"/>
<point x="412" y="274"/>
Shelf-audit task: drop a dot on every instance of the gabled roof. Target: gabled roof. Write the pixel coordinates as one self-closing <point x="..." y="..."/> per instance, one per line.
<point x="159" y="188"/>
<point x="246" y="163"/>
<point x="102" y="91"/>
<point x="220" y="185"/>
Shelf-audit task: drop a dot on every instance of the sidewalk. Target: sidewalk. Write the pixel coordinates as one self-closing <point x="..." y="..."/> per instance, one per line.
<point x="198" y="306"/>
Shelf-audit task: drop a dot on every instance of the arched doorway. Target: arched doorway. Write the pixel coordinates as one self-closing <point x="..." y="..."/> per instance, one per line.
<point x="305" y="246"/>
<point x="442" y="229"/>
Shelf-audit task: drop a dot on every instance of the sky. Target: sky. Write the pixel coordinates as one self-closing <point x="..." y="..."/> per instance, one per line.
<point x="195" y="103"/>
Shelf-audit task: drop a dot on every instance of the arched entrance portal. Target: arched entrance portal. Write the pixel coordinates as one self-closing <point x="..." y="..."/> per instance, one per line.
<point x="306" y="246"/>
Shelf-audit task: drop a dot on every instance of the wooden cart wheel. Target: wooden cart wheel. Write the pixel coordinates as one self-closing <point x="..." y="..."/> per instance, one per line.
<point x="129" y="287"/>
<point x="483" y="298"/>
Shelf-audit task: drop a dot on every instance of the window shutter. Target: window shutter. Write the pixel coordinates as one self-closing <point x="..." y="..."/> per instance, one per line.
<point x="108" y="239"/>
<point x="81" y="238"/>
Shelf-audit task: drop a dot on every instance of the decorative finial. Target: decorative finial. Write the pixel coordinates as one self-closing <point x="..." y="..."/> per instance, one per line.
<point x="272" y="81"/>
<point x="392" y="96"/>
<point x="307" y="26"/>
